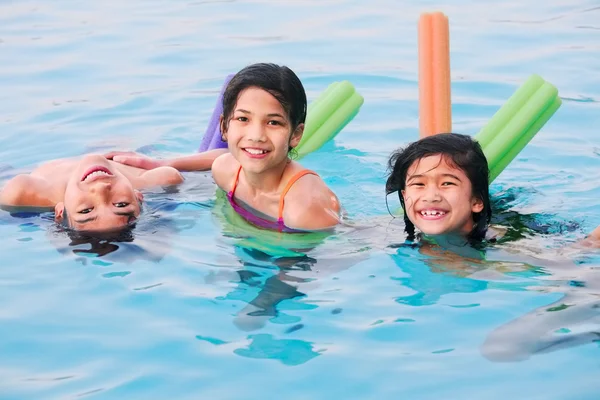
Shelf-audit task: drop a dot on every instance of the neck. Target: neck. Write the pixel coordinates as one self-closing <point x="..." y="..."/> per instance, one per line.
<point x="448" y="240"/>
<point x="267" y="181"/>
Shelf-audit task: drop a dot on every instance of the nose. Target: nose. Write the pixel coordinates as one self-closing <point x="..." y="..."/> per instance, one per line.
<point x="256" y="131"/>
<point x="101" y="188"/>
<point x="432" y="194"/>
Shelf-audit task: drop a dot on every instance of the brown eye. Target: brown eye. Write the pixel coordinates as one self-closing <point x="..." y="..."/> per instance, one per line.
<point x="121" y="205"/>
<point x="85" y="211"/>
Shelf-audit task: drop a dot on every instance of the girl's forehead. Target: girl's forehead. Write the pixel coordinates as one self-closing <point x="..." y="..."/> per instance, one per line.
<point x="256" y="98"/>
<point x="434" y="165"/>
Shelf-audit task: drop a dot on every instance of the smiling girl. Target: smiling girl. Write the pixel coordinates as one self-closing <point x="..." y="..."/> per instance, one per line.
<point x="264" y="109"/>
<point x="89" y="193"/>
<point x="443" y="185"/>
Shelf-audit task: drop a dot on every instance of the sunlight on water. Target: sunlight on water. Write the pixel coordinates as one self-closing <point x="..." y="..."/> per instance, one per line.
<point x="196" y="304"/>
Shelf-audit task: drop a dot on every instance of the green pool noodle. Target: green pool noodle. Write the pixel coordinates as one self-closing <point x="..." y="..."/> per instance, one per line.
<point x="525" y="117"/>
<point x="330" y="102"/>
<point x="333" y="125"/>
<point x="319" y="99"/>
<point x="524" y="139"/>
<point x="508" y="110"/>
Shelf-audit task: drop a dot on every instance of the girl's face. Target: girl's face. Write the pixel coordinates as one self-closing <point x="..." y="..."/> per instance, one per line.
<point x="439" y="198"/>
<point x="259" y="134"/>
<point x="98" y="197"/>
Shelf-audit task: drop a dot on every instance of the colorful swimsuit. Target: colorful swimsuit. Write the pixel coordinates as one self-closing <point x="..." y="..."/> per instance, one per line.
<point x="262" y="222"/>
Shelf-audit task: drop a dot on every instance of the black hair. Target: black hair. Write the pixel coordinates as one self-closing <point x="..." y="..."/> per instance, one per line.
<point x="279" y="81"/>
<point x="460" y="150"/>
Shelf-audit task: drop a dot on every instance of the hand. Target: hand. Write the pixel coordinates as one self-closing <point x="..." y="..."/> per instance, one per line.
<point x="134" y="159"/>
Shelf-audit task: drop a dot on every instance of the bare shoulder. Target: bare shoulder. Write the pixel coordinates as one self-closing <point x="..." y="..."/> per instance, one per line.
<point x="161" y="176"/>
<point x="224" y="169"/>
<point x="27" y="190"/>
<point x="311" y="205"/>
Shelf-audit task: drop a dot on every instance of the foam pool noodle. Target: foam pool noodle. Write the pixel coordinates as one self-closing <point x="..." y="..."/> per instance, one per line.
<point x="524" y="139"/>
<point x="212" y="136"/>
<point x="435" y="110"/>
<point x="510" y="108"/>
<point x="328" y="115"/>
<point x="517" y="122"/>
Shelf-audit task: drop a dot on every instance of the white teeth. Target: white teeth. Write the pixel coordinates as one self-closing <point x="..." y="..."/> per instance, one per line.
<point x="96" y="173"/>
<point x="432" y="213"/>
<point x="256" y="151"/>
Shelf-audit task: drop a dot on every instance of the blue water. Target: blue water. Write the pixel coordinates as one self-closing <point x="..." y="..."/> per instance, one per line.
<point x="192" y="308"/>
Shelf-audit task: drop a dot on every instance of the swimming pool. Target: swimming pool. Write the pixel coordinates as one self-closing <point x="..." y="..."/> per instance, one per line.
<point x="191" y="309"/>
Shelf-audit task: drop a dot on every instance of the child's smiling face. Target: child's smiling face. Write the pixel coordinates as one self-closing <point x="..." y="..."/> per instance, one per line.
<point x="438" y="197"/>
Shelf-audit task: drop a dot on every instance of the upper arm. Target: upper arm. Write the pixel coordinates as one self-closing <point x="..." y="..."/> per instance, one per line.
<point x="311" y="205"/>
<point x="161" y="176"/>
<point x="26" y="190"/>
<point x="591" y="240"/>
<point x="223" y="171"/>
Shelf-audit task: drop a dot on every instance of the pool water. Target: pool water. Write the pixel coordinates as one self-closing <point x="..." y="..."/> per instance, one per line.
<point x="198" y="305"/>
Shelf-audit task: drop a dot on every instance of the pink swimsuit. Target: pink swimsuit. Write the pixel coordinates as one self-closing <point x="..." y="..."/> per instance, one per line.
<point x="262" y="222"/>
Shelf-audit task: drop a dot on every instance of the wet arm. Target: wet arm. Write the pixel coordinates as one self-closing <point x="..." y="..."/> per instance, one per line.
<point x="27" y="191"/>
<point x="311" y="206"/>
<point x="196" y="162"/>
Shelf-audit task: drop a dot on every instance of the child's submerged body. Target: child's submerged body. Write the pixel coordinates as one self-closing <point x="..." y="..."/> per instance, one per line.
<point x="89" y="193"/>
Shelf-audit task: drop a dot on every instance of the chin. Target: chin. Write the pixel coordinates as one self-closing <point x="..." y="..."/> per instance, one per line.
<point x="90" y="158"/>
<point x="433" y="232"/>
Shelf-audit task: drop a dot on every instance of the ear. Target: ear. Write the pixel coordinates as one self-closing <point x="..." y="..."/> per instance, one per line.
<point x="139" y="195"/>
<point x="59" y="212"/>
<point x="477" y="205"/>
<point x="297" y="135"/>
<point x="222" y="128"/>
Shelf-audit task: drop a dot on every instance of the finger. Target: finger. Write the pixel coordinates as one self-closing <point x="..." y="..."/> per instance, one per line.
<point x="112" y="154"/>
<point x="137" y="161"/>
<point x="130" y="160"/>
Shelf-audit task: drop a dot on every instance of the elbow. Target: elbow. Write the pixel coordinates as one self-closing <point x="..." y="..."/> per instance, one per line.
<point x="174" y="178"/>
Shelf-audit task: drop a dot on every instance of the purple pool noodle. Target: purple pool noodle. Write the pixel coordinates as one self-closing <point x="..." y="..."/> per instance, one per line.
<point x="212" y="136"/>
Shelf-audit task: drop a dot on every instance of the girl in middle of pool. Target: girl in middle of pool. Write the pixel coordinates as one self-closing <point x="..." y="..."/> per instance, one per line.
<point x="264" y="109"/>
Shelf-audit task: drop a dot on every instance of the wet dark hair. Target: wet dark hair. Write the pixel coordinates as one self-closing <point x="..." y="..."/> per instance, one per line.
<point x="279" y="81"/>
<point x="460" y="150"/>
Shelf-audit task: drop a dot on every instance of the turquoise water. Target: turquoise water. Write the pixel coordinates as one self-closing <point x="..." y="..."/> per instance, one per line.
<point x="191" y="309"/>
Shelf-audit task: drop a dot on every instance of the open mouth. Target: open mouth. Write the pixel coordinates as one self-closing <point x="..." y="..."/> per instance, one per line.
<point x="96" y="172"/>
<point x="432" y="214"/>
<point x="255" y="152"/>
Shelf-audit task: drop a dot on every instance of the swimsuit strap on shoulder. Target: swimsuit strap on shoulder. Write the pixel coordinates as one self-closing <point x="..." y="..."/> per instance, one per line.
<point x="289" y="186"/>
<point x="235" y="182"/>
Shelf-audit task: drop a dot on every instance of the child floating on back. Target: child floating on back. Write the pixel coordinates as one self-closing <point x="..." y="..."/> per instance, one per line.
<point x="87" y="194"/>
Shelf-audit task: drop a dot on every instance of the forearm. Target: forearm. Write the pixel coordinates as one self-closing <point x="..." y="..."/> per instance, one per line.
<point x="196" y="162"/>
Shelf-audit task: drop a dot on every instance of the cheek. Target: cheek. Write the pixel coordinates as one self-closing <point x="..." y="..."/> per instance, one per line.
<point x="72" y="195"/>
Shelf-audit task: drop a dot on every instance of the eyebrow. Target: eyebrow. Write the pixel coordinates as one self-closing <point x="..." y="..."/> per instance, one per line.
<point x="268" y="115"/>
<point x="119" y="213"/>
<point x="444" y="175"/>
